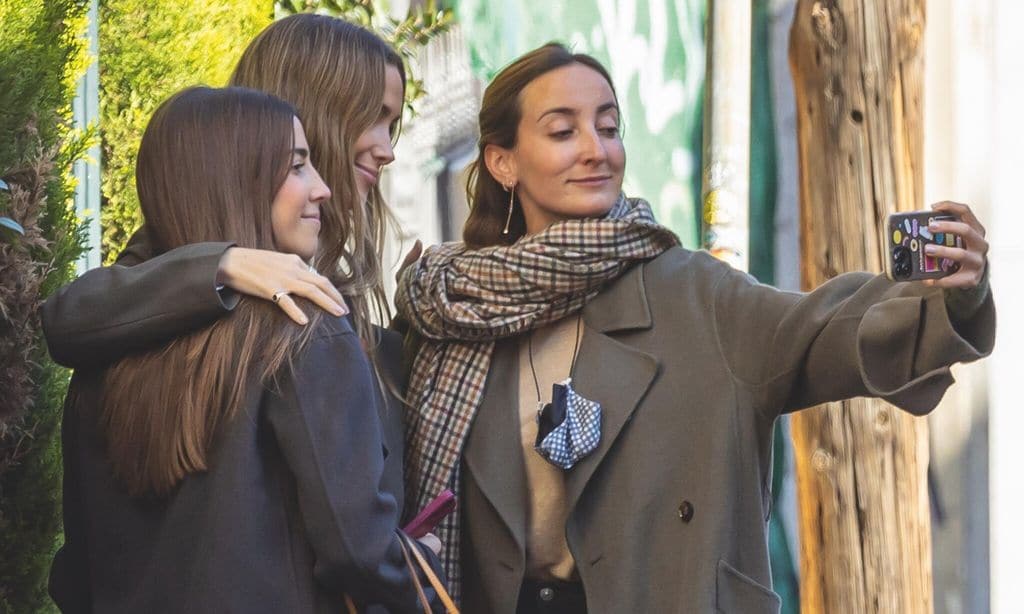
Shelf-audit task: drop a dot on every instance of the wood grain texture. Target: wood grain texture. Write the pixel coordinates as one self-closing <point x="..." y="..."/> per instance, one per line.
<point x="858" y="72"/>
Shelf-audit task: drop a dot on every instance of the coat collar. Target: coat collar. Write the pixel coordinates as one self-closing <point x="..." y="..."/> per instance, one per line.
<point x="621" y="306"/>
<point x="493" y="452"/>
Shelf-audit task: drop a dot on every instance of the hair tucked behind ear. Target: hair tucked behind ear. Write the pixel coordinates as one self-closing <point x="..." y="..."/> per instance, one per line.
<point x="500" y="113"/>
<point x="210" y="163"/>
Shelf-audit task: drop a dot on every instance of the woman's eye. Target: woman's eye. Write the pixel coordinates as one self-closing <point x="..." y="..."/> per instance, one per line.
<point x="609" y="131"/>
<point x="561" y="134"/>
<point x="298" y="167"/>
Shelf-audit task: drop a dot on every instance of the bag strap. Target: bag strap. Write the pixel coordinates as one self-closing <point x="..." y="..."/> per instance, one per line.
<point x="424" y="602"/>
<point x="439" y="587"/>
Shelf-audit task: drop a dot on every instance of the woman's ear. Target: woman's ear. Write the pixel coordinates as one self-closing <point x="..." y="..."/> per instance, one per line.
<point x="501" y="163"/>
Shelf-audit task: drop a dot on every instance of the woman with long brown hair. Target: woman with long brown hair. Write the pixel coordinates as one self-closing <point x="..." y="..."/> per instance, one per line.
<point x="602" y="399"/>
<point x="235" y="468"/>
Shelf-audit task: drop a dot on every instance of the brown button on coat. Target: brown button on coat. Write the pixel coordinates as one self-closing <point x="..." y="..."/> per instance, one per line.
<point x="692" y="363"/>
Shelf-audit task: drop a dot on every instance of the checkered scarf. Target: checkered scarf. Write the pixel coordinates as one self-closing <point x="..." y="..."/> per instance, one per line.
<point x="461" y="301"/>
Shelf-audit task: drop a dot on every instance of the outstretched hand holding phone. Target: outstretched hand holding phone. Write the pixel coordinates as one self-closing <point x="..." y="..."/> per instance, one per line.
<point x="944" y="247"/>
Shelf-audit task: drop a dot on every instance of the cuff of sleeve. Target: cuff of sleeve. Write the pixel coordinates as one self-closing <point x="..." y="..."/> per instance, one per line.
<point x="906" y="345"/>
<point x="228" y="297"/>
<point x="963" y="303"/>
<point x="209" y="256"/>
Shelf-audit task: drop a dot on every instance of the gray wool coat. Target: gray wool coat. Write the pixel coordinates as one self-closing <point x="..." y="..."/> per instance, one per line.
<point x="692" y="363"/>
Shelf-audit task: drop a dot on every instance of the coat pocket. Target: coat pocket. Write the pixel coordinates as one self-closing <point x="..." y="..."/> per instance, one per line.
<point x="738" y="594"/>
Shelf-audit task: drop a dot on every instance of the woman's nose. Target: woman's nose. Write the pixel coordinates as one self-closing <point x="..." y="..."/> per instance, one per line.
<point x="319" y="192"/>
<point x="383" y="151"/>
<point x="593" y="150"/>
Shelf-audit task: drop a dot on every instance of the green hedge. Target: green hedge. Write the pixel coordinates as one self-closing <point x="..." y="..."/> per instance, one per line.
<point x="42" y="55"/>
<point x="149" y="50"/>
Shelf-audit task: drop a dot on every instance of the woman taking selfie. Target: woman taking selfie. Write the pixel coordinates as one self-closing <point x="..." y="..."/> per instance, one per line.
<point x="603" y="399"/>
<point x="236" y="468"/>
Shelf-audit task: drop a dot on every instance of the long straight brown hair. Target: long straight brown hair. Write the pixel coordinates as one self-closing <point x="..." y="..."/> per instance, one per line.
<point x="333" y="72"/>
<point x="500" y="113"/>
<point x="210" y="163"/>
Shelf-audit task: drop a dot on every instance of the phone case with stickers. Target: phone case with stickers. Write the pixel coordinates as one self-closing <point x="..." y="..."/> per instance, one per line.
<point x="905" y="237"/>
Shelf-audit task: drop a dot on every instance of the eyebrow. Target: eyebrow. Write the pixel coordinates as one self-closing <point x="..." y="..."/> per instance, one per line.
<point x="302" y="153"/>
<point x="608" y="106"/>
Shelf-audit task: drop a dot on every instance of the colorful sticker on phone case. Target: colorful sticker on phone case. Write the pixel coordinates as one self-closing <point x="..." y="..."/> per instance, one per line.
<point x="927" y="234"/>
<point x="906" y="224"/>
<point x="913" y="245"/>
<point x="897" y="237"/>
<point x="915" y="227"/>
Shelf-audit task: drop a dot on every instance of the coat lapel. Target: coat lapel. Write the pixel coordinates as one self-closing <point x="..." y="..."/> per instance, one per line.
<point x="607" y="371"/>
<point x="493" y="452"/>
<point x="610" y="372"/>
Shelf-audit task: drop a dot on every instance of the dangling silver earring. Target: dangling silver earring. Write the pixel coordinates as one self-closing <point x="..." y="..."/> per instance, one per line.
<point x="511" y="203"/>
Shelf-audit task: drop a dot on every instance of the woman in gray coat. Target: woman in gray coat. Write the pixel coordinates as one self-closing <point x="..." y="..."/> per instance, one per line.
<point x="602" y="399"/>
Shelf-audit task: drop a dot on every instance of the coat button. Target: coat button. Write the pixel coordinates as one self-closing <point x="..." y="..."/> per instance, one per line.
<point x="547" y="594"/>
<point x="686" y="511"/>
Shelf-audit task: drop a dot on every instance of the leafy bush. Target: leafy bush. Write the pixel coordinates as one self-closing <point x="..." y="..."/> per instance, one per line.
<point x="149" y="50"/>
<point x="42" y="55"/>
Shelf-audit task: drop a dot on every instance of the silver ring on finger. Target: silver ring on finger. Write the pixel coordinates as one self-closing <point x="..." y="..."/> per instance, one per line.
<point x="277" y="296"/>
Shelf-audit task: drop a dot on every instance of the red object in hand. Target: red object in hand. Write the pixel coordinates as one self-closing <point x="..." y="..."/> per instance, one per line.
<point x="431" y="515"/>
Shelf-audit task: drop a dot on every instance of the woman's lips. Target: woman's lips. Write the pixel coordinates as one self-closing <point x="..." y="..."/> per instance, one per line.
<point x="594" y="181"/>
<point x="369" y="174"/>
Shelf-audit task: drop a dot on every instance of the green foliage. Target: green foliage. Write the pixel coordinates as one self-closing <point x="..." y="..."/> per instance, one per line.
<point x="149" y="51"/>
<point x="407" y="35"/>
<point x="42" y="55"/>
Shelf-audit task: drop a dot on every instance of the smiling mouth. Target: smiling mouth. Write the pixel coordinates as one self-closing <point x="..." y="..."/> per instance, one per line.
<point x="371" y="174"/>
<point x="591" y="180"/>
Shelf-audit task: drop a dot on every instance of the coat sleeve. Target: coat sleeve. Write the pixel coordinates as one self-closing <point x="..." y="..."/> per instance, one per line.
<point x="856" y="335"/>
<point x="324" y="417"/>
<point x="135" y="304"/>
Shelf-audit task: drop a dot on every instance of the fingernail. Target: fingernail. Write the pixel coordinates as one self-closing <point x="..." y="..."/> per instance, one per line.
<point x="929" y="249"/>
<point x="338" y="310"/>
<point x="303" y="320"/>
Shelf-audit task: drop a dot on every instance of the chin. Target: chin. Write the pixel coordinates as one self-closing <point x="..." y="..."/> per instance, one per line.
<point x="596" y="207"/>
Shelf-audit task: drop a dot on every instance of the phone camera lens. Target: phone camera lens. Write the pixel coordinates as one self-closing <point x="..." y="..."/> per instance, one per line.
<point x="901" y="262"/>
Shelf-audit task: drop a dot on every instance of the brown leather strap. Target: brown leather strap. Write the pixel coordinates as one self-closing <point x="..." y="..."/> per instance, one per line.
<point x="439" y="587"/>
<point x="424" y="602"/>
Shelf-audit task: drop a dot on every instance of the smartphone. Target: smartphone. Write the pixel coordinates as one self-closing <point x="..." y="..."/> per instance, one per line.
<point x="431" y="515"/>
<point x="906" y="236"/>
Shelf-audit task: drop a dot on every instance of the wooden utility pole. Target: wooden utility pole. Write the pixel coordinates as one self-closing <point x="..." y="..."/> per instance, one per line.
<point x="861" y="465"/>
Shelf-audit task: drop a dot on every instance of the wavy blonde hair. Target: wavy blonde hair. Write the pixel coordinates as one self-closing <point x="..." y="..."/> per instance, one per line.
<point x="333" y="72"/>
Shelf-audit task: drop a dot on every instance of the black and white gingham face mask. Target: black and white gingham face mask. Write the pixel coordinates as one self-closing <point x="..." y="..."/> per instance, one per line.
<point x="568" y="428"/>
